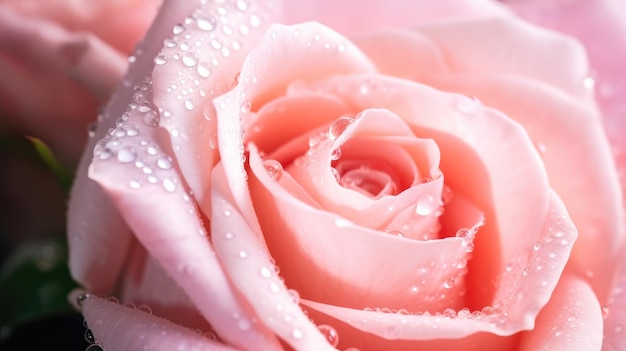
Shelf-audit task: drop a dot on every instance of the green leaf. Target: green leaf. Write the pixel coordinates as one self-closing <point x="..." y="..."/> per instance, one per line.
<point x="63" y="175"/>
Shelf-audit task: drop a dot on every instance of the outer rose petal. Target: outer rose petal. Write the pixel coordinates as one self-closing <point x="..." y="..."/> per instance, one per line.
<point x="146" y="282"/>
<point x="117" y="327"/>
<point x="572" y="320"/>
<point x="97" y="235"/>
<point x="200" y="61"/>
<point x="534" y="96"/>
<point x="356" y="16"/>
<point x="245" y="257"/>
<point x="134" y="167"/>
<point x="601" y="26"/>
<point x="615" y="325"/>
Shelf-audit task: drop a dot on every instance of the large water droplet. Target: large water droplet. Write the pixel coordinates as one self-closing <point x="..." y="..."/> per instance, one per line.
<point x="190" y="59"/>
<point x="330" y="334"/>
<point x="169" y="185"/>
<point x="179" y="28"/>
<point x="160" y="60"/>
<point x="274" y="169"/>
<point x="126" y="155"/>
<point x="164" y="163"/>
<point x="338" y="127"/>
<point x="204" y="69"/>
<point x="335" y="154"/>
<point x="206" y="23"/>
<point x="426" y="205"/>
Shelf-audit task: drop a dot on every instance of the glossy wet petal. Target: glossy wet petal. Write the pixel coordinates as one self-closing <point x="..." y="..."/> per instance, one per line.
<point x="116" y="327"/>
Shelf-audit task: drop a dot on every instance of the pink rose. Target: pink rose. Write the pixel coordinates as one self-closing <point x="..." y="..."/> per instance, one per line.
<point x="59" y="60"/>
<point x="363" y="187"/>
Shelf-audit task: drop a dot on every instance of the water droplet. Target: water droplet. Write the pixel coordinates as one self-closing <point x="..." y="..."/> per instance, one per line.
<point x="449" y="283"/>
<point x="204" y="69"/>
<point x="169" y="43"/>
<point x="227" y="213"/>
<point x="169" y="185"/>
<point x="190" y="59"/>
<point x="266" y="272"/>
<point x="206" y="23"/>
<point x="93" y="347"/>
<point x="341" y="47"/>
<point x="80" y="299"/>
<point x="229" y="235"/>
<point x="426" y="205"/>
<point x="134" y="184"/>
<point x="188" y="105"/>
<point x="508" y="267"/>
<point x="243" y="254"/>
<point x="144" y="308"/>
<point x="179" y="28"/>
<point x="274" y="287"/>
<point x="467" y="105"/>
<point x="160" y="60"/>
<point x="450" y="313"/>
<point x="295" y="296"/>
<point x="126" y="155"/>
<point x="274" y="169"/>
<point x="537" y="246"/>
<point x="164" y="163"/>
<point x="242" y="5"/>
<point x="89" y="336"/>
<point x="297" y="333"/>
<point x="330" y="334"/>
<point x="335" y="154"/>
<point x="338" y="127"/>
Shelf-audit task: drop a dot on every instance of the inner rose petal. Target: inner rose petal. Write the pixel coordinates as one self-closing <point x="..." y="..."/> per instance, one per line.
<point x="368" y="169"/>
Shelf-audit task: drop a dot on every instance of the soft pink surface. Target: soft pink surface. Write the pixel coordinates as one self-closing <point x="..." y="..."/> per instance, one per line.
<point x="223" y="169"/>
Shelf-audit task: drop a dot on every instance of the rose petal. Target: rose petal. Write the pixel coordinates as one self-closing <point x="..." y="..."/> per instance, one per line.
<point x="614" y="326"/>
<point x="138" y="174"/>
<point x="146" y="282"/>
<point x="198" y="62"/>
<point x="519" y="298"/>
<point x="601" y="26"/>
<point x="572" y="320"/>
<point x="515" y="47"/>
<point x="379" y="270"/>
<point x="380" y="137"/>
<point x="304" y="55"/>
<point x="244" y="255"/>
<point x="96" y="262"/>
<point x="116" y="327"/>
<point x="476" y="145"/>
<point x="396" y="13"/>
<point x="577" y="160"/>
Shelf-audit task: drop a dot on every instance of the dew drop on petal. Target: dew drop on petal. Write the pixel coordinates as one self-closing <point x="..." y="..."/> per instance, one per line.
<point x="160" y="60"/>
<point x="126" y="155"/>
<point x="338" y="127"/>
<point x="274" y="169"/>
<point x="164" y="163"/>
<point x="169" y="185"/>
<point x="204" y="69"/>
<point x="329" y="333"/>
<point x="297" y="333"/>
<point x="266" y="272"/>
<point x="426" y="205"/>
<point x="335" y="154"/>
<point x="206" y="23"/>
<point x="295" y="296"/>
<point x="190" y="59"/>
